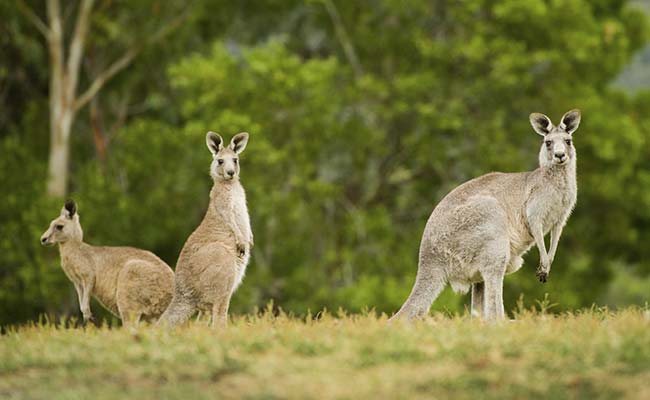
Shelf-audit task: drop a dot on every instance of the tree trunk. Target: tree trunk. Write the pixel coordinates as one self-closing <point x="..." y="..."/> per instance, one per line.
<point x="61" y="125"/>
<point x="64" y="76"/>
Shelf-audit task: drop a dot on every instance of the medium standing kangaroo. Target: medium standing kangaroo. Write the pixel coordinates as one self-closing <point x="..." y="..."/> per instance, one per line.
<point x="479" y="232"/>
<point x="213" y="260"/>
<point x="129" y="282"/>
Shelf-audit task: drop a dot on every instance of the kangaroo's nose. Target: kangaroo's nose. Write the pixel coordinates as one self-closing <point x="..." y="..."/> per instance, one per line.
<point x="43" y="240"/>
<point x="559" y="155"/>
<point x="231" y="173"/>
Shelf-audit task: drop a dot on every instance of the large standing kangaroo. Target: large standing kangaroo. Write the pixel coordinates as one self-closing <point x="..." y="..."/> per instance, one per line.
<point x="479" y="232"/>
<point x="213" y="261"/>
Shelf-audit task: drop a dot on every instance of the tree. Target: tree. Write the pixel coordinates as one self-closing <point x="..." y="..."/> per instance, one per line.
<point x="65" y="70"/>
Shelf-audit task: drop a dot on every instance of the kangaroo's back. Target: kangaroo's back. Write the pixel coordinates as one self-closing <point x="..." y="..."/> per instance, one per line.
<point x="453" y="216"/>
<point x="144" y="269"/>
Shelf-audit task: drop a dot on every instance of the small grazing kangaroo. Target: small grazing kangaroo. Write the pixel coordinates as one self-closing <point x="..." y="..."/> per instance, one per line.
<point x="129" y="282"/>
<point x="479" y="232"/>
<point x="213" y="260"/>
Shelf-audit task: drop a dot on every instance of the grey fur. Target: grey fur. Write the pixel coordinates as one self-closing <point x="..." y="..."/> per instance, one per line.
<point x="479" y="232"/>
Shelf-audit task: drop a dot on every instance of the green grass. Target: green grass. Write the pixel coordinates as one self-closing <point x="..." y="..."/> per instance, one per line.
<point x="590" y="355"/>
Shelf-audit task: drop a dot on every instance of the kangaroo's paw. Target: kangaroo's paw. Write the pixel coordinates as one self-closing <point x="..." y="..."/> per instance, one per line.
<point x="241" y="249"/>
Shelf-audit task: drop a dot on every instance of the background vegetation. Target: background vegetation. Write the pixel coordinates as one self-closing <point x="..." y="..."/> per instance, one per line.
<point x="362" y="115"/>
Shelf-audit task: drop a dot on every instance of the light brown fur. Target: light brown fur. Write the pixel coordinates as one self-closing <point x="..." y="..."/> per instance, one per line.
<point x="479" y="232"/>
<point x="213" y="260"/>
<point x="132" y="284"/>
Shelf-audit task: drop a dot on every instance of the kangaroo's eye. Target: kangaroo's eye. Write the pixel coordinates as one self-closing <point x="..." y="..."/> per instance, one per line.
<point x="549" y="143"/>
<point x="568" y="142"/>
<point x="234" y="160"/>
<point x="220" y="162"/>
<point x="59" y="227"/>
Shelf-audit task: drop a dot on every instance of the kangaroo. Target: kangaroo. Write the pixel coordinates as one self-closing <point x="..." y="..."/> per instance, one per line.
<point x="479" y="232"/>
<point x="132" y="284"/>
<point x="214" y="258"/>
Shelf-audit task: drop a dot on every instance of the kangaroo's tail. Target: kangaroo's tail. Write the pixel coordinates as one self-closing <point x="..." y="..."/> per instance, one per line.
<point x="180" y="311"/>
<point x="429" y="283"/>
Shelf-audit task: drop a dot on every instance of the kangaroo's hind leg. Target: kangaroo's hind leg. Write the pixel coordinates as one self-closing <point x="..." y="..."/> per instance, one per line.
<point x="129" y="318"/>
<point x="493" y="272"/>
<point x="494" y="258"/>
<point x="493" y="306"/>
<point x="127" y="306"/>
<point x="220" y="312"/>
<point x="478" y="297"/>
<point x="129" y="303"/>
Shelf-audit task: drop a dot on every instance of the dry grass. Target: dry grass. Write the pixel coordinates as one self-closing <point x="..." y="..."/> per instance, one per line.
<point x="592" y="354"/>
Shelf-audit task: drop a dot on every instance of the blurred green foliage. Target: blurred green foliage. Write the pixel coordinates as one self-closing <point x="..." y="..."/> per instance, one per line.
<point x="345" y="162"/>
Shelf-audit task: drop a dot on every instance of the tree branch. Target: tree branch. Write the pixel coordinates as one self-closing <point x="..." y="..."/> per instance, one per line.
<point x="344" y="39"/>
<point x="98" y="133"/>
<point x="104" y="77"/>
<point x="55" y="38"/>
<point x="33" y="18"/>
<point x="77" y="44"/>
<point x="55" y="48"/>
<point x="122" y="113"/>
<point x="126" y="59"/>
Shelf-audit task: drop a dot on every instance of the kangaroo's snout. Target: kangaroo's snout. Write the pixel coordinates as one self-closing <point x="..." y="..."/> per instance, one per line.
<point x="230" y="172"/>
<point x="559" y="152"/>
<point x="560" y="158"/>
<point x="45" y="241"/>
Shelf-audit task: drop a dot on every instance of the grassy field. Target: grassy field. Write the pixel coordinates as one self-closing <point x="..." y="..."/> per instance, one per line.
<point x="590" y="355"/>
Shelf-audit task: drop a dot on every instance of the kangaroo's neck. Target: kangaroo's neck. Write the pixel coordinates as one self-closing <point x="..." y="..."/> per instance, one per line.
<point x="222" y="195"/>
<point x="222" y="188"/>
<point x="559" y="182"/>
<point x="560" y="175"/>
<point x="71" y="247"/>
<point x="75" y="254"/>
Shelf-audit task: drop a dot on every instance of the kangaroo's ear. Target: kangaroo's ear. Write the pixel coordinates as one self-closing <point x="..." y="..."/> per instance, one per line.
<point x="541" y="123"/>
<point x="570" y="121"/>
<point x="214" y="142"/>
<point x="239" y="142"/>
<point x="70" y="208"/>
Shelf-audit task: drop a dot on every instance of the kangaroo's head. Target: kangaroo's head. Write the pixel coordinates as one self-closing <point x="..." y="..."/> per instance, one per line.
<point x="65" y="227"/>
<point x="557" y="147"/>
<point x="225" y="160"/>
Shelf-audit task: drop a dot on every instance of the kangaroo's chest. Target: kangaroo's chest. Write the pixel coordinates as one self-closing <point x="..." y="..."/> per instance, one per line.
<point x="559" y="204"/>
<point x="238" y="208"/>
<point x="227" y="215"/>
<point x="76" y="268"/>
<point x="236" y="204"/>
<point x="87" y="269"/>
